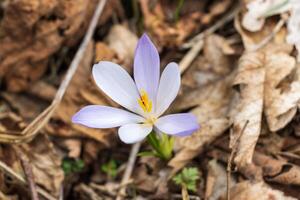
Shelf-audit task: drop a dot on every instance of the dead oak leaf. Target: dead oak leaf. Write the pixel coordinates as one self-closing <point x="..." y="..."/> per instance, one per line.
<point x="45" y="163"/>
<point x="266" y="85"/>
<point x="253" y="191"/>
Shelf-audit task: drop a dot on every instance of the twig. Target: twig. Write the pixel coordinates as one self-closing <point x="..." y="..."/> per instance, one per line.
<point x="38" y="123"/>
<point x="267" y="39"/>
<point x="234" y="148"/>
<point x="133" y="154"/>
<point x="197" y="42"/>
<point x="28" y="173"/>
<point x="110" y="189"/>
<point x="227" y="18"/>
<point x="179" y="196"/>
<point x="6" y="169"/>
<point x="184" y="193"/>
<point x="190" y="56"/>
<point x="90" y="192"/>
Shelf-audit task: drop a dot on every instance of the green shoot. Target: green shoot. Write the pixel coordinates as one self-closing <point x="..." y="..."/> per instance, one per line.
<point x="72" y="166"/>
<point x="187" y="178"/>
<point x="110" y="168"/>
<point x="178" y="9"/>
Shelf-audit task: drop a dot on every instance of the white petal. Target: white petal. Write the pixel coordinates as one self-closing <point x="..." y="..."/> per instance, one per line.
<point x="181" y="124"/>
<point x="132" y="133"/>
<point x="117" y="84"/>
<point x="104" y="117"/>
<point x="168" y="88"/>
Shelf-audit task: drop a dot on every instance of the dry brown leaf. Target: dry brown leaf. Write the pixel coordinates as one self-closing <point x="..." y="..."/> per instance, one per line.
<point x="103" y="52"/>
<point x="213" y="105"/>
<point x="166" y="33"/>
<point x="216" y="180"/>
<point x="73" y="146"/>
<point x="216" y="9"/>
<point x="250" y="77"/>
<point x="267" y="84"/>
<point x="72" y="101"/>
<point x="121" y="40"/>
<point x="213" y="65"/>
<point x="281" y="100"/>
<point x="253" y="191"/>
<point x="279" y="171"/>
<point x="45" y="163"/>
<point x="252" y="40"/>
<point x="33" y="31"/>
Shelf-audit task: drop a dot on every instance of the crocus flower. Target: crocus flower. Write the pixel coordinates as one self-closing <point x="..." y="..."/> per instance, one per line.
<point x="145" y="98"/>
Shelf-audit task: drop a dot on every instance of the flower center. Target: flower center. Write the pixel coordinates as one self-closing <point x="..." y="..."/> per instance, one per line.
<point x="145" y="102"/>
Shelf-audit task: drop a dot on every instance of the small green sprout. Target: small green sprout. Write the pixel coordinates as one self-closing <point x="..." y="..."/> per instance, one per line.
<point x="187" y="178"/>
<point x="162" y="146"/>
<point x="110" y="168"/>
<point x="72" y="166"/>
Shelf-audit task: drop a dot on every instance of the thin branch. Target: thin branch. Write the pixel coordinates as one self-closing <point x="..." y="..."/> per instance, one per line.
<point x="39" y="122"/>
<point x="227" y="18"/>
<point x="128" y="171"/>
<point x="89" y="191"/>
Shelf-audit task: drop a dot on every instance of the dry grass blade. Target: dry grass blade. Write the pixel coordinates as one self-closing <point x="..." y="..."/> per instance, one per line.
<point x="32" y="129"/>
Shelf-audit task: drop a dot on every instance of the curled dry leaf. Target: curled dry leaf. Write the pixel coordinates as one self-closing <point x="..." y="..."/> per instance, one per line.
<point x="282" y="89"/>
<point x="215" y="104"/>
<point x="262" y="80"/>
<point x="253" y="191"/>
<point x="279" y="171"/>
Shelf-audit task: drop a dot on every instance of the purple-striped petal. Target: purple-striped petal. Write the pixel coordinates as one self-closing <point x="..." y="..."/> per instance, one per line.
<point x="94" y="116"/>
<point x="132" y="133"/>
<point x="168" y="88"/>
<point x="146" y="67"/>
<point x="182" y="124"/>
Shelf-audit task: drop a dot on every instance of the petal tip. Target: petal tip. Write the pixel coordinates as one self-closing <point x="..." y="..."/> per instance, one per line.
<point x="145" y="40"/>
<point x="145" y="37"/>
<point x="76" y="118"/>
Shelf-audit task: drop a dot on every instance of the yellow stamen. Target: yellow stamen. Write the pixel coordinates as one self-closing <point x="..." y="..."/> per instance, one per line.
<point x="145" y="102"/>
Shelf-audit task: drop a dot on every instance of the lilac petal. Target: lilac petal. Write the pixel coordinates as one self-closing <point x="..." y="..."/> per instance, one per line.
<point x="182" y="124"/>
<point x="132" y="133"/>
<point x="115" y="82"/>
<point x="94" y="116"/>
<point x="146" y="67"/>
<point x="168" y="88"/>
